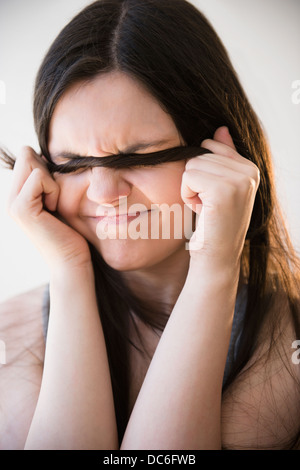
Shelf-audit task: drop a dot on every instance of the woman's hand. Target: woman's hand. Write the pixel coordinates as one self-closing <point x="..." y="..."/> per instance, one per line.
<point x="221" y="188"/>
<point x="33" y="197"/>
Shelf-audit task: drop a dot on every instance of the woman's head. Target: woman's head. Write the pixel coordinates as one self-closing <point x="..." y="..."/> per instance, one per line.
<point x="170" y="49"/>
<point x="111" y="114"/>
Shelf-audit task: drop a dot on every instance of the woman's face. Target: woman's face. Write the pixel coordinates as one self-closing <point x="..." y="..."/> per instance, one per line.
<point x="109" y="115"/>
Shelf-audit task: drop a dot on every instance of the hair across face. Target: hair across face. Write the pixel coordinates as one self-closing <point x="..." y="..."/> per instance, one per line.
<point x="125" y="160"/>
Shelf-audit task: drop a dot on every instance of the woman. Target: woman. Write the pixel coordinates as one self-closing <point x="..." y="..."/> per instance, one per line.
<point x="150" y="345"/>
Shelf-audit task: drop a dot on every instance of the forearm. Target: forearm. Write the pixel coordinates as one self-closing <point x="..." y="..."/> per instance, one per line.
<point x="75" y="408"/>
<point x="179" y="405"/>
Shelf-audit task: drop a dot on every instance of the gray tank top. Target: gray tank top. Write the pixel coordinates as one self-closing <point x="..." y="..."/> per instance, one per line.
<point x="238" y="319"/>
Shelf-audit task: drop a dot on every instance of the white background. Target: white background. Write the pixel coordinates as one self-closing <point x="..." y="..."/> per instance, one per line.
<point x="263" y="40"/>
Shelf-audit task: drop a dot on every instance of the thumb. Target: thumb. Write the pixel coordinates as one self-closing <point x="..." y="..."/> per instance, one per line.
<point x="223" y="136"/>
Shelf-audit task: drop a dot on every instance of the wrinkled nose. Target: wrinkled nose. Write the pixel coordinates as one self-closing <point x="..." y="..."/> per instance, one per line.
<point x="107" y="185"/>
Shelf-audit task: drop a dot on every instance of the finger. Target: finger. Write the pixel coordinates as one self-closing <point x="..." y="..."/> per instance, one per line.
<point x="21" y="171"/>
<point x="26" y="161"/>
<point x="38" y="190"/>
<point x="198" y="189"/>
<point x="221" y="149"/>
<point x="223" y="136"/>
<point x="226" y="151"/>
<point x="43" y="187"/>
<point x="221" y="166"/>
<point x="198" y="184"/>
<point x="214" y="189"/>
<point x="218" y="164"/>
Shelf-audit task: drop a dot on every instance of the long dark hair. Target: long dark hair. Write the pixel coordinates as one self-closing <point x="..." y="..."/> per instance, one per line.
<point x="170" y="47"/>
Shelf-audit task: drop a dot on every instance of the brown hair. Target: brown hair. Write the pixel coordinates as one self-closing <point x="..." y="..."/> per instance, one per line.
<point x="170" y="47"/>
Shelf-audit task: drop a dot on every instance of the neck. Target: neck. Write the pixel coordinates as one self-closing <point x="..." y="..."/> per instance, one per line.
<point x="161" y="282"/>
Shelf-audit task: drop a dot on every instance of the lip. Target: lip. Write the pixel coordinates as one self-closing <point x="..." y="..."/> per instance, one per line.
<point x="118" y="218"/>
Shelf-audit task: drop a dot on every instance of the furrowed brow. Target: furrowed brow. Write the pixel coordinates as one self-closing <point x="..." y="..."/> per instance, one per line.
<point x="144" y="145"/>
<point x="67" y="155"/>
<point x="128" y="150"/>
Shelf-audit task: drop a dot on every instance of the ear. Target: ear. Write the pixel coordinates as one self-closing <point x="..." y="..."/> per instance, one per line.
<point x="223" y="136"/>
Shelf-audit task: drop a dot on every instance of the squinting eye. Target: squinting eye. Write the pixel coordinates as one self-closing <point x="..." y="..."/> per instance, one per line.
<point x="75" y="171"/>
<point x="69" y="167"/>
<point x="60" y="160"/>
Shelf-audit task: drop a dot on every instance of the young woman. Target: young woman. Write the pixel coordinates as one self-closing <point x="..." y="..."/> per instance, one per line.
<point x="149" y="345"/>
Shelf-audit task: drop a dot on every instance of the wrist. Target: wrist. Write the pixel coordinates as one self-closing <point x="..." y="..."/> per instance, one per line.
<point x="211" y="272"/>
<point x="70" y="276"/>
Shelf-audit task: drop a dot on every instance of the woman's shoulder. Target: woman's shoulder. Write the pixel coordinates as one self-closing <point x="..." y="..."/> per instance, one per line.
<point x="21" y="335"/>
<point x="261" y="407"/>
<point x="29" y="300"/>
<point x="22" y="313"/>
<point x="25" y="298"/>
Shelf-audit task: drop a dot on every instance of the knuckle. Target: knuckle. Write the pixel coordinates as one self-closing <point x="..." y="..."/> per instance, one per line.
<point x="257" y="176"/>
<point x="189" y="173"/>
<point x="37" y="173"/>
<point x="23" y="160"/>
<point x="26" y="151"/>
<point x="193" y="163"/>
<point x="26" y="155"/>
<point x="205" y="142"/>
<point x="254" y="172"/>
<point x="254" y="182"/>
<point x="189" y="165"/>
<point x="245" y="183"/>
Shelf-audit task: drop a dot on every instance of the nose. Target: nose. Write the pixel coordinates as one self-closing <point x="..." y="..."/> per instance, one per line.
<point x="107" y="185"/>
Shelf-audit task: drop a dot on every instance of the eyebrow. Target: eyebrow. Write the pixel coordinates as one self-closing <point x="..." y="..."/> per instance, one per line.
<point x="128" y="150"/>
<point x="144" y="145"/>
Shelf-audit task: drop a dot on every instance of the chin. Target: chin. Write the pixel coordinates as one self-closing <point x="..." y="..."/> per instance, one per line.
<point x="131" y="255"/>
<point x="123" y="255"/>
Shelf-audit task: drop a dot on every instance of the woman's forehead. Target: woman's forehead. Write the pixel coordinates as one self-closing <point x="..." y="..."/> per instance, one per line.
<point x="106" y="115"/>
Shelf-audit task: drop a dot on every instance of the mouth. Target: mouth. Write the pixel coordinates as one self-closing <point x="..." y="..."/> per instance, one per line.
<point x="118" y="219"/>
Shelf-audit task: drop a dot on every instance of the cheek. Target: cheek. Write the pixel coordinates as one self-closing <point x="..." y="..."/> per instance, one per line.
<point x="161" y="184"/>
<point x="170" y="189"/>
<point x="72" y="189"/>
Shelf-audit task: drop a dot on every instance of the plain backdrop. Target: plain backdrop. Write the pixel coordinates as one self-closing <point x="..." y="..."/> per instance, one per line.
<point x="263" y="40"/>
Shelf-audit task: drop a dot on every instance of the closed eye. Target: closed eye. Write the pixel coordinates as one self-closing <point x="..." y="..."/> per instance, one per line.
<point x="75" y="163"/>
